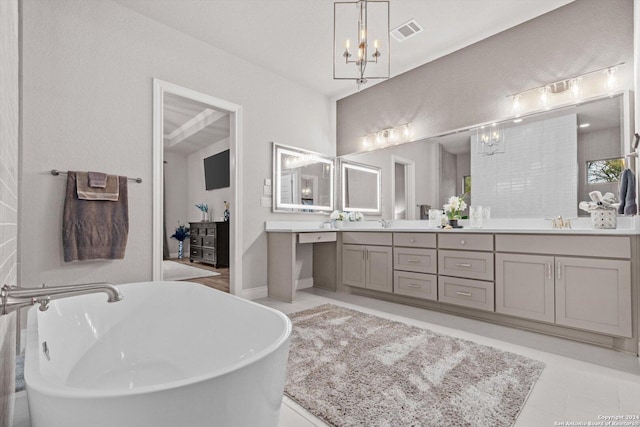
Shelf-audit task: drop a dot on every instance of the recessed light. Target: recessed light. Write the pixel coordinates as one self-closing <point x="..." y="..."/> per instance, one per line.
<point x="584" y="125"/>
<point x="517" y="120"/>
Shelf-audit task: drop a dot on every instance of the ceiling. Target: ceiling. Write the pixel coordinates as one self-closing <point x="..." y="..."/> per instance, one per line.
<point x="294" y="38"/>
<point x="190" y="126"/>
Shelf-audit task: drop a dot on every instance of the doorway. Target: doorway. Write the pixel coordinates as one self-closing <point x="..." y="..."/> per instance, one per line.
<point x="403" y="188"/>
<point x="181" y="146"/>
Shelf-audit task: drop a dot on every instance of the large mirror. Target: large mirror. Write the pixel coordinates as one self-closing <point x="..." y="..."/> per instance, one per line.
<point x="360" y="188"/>
<point x="548" y="162"/>
<point x="302" y="180"/>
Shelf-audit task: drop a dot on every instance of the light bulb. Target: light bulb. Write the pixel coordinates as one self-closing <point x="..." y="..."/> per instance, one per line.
<point x="575" y="86"/>
<point x="544" y="96"/>
<point x="612" y="79"/>
<point x="516" y="106"/>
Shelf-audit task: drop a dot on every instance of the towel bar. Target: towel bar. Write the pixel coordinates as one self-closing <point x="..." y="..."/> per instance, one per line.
<point x="56" y="172"/>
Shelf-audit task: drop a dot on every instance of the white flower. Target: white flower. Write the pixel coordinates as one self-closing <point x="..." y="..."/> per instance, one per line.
<point x="337" y="216"/>
<point x="455" y="206"/>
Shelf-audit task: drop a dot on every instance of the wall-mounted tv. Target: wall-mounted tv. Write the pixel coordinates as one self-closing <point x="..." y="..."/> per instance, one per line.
<point x="216" y="171"/>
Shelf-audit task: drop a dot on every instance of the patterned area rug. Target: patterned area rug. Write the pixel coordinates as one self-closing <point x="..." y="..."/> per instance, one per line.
<point x="354" y="369"/>
<point x="175" y="271"/>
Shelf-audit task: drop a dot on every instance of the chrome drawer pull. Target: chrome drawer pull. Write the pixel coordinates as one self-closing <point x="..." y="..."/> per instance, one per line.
<point x="462" y="242"/>
<point x="413" y="285"/>
<point x="464" y="294"/>
<point x="412" y="240"/>
<point x="463" y="265"/>
<point x="413" y="260"/>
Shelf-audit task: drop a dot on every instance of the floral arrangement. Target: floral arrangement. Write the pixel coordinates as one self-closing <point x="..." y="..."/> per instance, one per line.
<point x="338" y="216"/>
<point x="346" y="216"/>
<point x="455" y="206"/>
<point x="182" y="232"/>
<point x="203" y="207"/>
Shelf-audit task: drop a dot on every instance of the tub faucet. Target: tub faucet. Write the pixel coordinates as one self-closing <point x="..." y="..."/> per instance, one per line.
<point x="15" y="297"/>
<point x="384" y="223"/>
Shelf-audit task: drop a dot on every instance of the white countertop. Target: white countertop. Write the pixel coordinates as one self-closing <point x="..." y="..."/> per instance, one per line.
<point x="626" y="226"/>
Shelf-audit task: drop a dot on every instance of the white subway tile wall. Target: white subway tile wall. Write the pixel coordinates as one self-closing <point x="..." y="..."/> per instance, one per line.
<point x="536" y="176"/>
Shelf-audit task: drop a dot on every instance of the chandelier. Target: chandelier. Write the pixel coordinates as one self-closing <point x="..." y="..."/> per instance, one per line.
<point x="361" y="38"/>
<point x="490" y="139"/>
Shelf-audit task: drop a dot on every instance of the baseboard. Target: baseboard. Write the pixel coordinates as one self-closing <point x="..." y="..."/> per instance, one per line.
<point x="254" y="293"/>
<point x="304" y="283"/>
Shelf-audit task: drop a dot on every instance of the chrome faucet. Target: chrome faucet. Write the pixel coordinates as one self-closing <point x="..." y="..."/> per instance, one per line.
<point x="14" y="297"/>
<point x="384" y="223"/>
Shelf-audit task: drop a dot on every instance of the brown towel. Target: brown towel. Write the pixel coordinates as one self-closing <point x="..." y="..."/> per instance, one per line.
<point x="94" y="229"/>
<point x="97" y="179"/>
<point x="86" y="192"/>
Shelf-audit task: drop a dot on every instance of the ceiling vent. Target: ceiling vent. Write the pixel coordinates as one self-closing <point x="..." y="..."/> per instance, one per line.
<point x="406" y="30"/>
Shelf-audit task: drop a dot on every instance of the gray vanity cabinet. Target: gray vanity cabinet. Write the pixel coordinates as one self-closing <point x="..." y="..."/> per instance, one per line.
<point x="367" y="260"/>
<point x="589" y="292"/>
<point x="369" y="267"/>
<point x="525" y="286"/>
<point x="594" y="294"/>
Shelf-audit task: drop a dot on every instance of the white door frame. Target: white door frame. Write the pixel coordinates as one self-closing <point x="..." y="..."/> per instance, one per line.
<point x="161" y="87"/>
<point x="410" y="185"/>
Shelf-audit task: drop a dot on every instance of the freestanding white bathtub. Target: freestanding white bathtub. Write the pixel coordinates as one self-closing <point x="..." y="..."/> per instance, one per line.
<point x="169" y="354"/>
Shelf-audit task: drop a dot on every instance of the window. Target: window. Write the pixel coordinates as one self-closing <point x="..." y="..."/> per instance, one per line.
<point x="605" y="170"/>
<point x="466" y="184"/>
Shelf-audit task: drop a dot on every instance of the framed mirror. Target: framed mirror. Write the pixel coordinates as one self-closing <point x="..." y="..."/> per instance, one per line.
<point x="360" y="188"/>
<point x="302" y="180"/>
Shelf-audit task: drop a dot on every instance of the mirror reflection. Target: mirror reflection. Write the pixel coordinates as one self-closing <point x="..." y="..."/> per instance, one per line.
<point x="360" y="188"/>
<point x="547" y="163"/>
<point x="302" y="180"/>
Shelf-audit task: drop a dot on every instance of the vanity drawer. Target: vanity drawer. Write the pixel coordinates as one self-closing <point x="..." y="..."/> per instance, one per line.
<point x="209" y="241"/>
<point x="201" y="231"/>
<point x="418" y="260"/>
<point x="209" y="254"/>
<point x="195" y="240"/>
<point x="210" y="231"/>
<point x="417" y="285"/>
<point x="327" y="236"/>
<point x="469" y="242"/>
<point x="596" y="246"/>
<point x="415" y="240"/>
<point x="195" y="253"/>
<point x="468" y="293"/>
<point x="472" y="265"/>
<point x="367" y="238"/>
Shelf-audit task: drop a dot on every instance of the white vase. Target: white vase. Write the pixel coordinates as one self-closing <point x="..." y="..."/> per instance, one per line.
<point x="338" y="224"/>
<point x="203" y="216"/>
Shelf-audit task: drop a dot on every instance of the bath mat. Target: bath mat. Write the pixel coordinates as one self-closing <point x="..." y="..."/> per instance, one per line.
<point x="354" y="369"/>
<point x="175" y="271"/>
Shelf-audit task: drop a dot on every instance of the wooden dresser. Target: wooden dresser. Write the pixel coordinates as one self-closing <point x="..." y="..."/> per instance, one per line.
<point x="209" y="243"/>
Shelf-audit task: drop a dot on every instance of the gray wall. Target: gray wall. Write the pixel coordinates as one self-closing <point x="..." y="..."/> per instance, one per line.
<point x="471" y="86"/>
<point x="9" y="166"/>
<point x="87" y="96"/>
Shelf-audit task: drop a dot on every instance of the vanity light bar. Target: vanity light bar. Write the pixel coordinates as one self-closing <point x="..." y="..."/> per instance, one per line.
<point x="386" y="137"/>
<point x="573" y="89"/>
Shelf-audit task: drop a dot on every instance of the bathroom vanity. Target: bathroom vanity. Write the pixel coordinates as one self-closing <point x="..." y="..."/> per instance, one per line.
<point x="578" y="284"/>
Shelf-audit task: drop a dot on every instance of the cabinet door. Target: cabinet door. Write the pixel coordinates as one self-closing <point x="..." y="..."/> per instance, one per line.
<point x="594" y="294"/>
<point x="379" y="268"/>
<point x="525" y="286"/>
<point x="353" y="265"/>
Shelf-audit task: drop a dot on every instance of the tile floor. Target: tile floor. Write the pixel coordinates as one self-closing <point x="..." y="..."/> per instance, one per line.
<point x="580" y="383"/>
